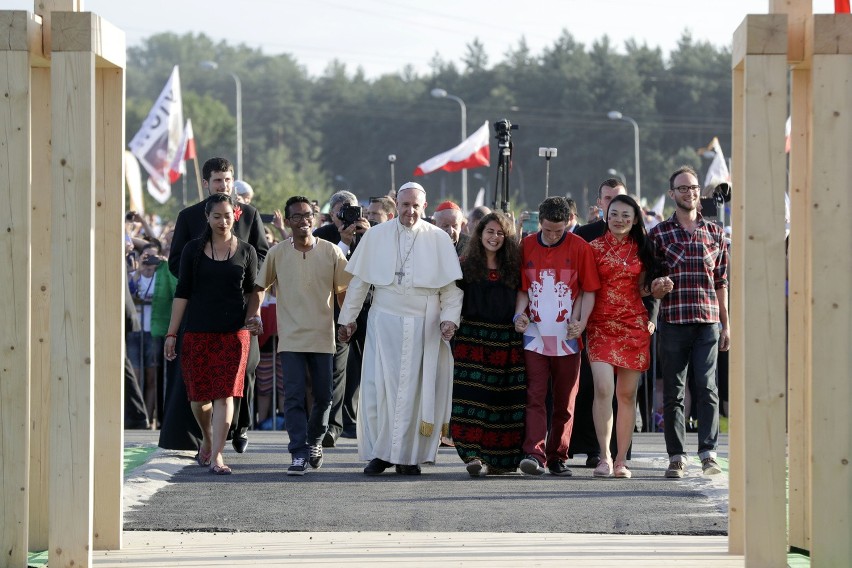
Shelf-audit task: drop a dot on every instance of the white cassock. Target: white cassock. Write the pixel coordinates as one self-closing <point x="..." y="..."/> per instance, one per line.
<point x="407" y="369"/>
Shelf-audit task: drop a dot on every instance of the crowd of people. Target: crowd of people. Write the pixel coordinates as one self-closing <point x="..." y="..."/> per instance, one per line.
<point x="520" y="345"/>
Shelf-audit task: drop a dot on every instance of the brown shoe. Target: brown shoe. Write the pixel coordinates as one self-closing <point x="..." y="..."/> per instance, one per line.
<point x="676" y="469"/>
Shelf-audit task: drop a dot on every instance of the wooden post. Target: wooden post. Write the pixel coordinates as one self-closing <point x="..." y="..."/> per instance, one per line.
<point x="831" y="201"/>
<point x="15" y="236"/>
<point x="109" y="317"/>
<point x="72" y="303"/>
<point x="760" y="54"/>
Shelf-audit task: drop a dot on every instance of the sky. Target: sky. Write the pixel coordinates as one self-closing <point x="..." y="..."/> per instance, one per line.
<point x="383" y="36"/>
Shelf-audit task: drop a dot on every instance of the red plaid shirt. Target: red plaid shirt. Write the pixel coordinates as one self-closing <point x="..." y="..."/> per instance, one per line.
<point x="698" y="265"/>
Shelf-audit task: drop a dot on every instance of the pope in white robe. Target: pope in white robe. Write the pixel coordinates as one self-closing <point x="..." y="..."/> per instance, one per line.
<point x="407" y="369"/>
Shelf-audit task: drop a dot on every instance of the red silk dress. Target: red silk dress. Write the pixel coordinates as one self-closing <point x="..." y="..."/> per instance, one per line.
<point x="617" y="330"/>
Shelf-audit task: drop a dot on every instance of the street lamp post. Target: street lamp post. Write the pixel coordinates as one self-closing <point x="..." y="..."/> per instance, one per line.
<point x="239" y="86"/>
<point x="615" y="115"/>
<point x="442" y="94"/>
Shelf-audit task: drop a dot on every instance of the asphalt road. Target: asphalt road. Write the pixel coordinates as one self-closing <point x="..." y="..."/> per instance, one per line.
<point x="339" y="497"/>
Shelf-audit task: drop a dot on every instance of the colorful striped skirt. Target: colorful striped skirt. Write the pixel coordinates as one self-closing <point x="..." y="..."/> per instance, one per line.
<point x="489" y="395"/>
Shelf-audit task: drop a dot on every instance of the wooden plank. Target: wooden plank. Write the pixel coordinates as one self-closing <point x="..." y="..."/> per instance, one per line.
<point x="109" y="317"/>
<point x="88" y="32"/>
<point x="761" y="276"/>
<point x="15" y="236"/>
<point x="800" y="322"/>
<point x="40" y="332"/>
<point x="831" y="435"/>
<point x="761" y="34"/>
<point x="736" y="439"/>
<point x="72" y="309"/>
<point x="798" y="12"/>
<point x="45" y="8"/>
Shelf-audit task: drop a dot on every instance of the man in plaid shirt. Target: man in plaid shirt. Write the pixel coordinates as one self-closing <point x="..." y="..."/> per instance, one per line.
<point x="693" y="319"/>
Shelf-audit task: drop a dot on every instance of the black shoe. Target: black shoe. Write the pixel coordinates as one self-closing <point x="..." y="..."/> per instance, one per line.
<point x="347" y="433"/>
<point x="531" y="466"/>
<point x="593" y="461"/>
<point x="329" y="440"/>
<point x="558" y="467"/>
<point x="316" y="458"/>
<point x="408" y="469"/>
<point x="376" y="466"/>
<point x="240" y="442"/>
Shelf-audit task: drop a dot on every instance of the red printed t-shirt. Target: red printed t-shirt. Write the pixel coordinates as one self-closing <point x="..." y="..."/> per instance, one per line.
<point x="553" y="276"/>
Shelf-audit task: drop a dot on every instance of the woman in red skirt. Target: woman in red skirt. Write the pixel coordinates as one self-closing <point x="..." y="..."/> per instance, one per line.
<point x="215" y="291"/>
<point x="620" y="328"/>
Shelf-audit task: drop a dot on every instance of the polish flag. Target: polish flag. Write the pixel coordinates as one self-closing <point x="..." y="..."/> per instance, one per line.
<point x="186" y="151"/>
<point x="474" y="152"/>
<point x="841" y="6"/>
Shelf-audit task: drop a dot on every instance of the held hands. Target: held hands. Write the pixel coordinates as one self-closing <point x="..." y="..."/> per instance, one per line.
<point x="345" y="332"/>
<point x="254" y="325"/>
<point x="521" y="322"/>
<point x="575" y="329"/>
<point x="661" y="286"/>
<point x="448" y="329"/>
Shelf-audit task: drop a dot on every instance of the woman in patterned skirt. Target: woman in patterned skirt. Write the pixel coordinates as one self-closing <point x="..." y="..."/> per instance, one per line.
<point x="216" y="291"/>
<point x="489" y="384"/>
<point x="620" y="328"/>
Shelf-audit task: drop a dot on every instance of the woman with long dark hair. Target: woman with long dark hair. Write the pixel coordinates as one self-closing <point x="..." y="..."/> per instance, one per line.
<point x="489" y="382"/>
<point x="216" y="290"/>
<point x="620" y="327"/>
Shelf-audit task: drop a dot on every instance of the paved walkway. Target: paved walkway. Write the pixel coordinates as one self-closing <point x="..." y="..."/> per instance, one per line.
<point x="337" y="516"/>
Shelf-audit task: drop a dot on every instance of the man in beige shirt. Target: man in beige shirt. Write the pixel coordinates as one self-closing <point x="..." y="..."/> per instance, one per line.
<point x="309" y="272"/>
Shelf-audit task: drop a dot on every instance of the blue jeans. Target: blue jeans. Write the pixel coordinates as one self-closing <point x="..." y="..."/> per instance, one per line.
<point x="305" y="431"/>
<point x="683" y="346"/>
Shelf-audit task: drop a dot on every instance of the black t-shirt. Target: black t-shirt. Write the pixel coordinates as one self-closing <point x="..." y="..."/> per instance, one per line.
<point x="216" y="288"/>
<point x="488" y="301"/>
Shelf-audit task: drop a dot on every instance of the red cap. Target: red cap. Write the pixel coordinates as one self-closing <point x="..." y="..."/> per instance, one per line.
<point x="447" y="205"/>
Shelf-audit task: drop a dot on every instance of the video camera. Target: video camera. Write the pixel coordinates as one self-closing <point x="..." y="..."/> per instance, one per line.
<point x="504" y="134"/>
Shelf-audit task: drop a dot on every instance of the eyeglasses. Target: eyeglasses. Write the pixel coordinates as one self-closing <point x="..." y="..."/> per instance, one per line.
<point x="298" y="218"/>
<point x="687" y="188"/>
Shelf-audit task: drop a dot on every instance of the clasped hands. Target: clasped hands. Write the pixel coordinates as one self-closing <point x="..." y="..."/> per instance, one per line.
<point x="254" y="325"/>
<point x="661" y="286"/>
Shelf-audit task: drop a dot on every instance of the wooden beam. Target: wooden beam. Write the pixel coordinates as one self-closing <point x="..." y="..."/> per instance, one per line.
<point x="72" y="308"/>
<point x="15" y="236"/>
<point x="736" y="372"/>
<point x="109" y="318"/>
<point x="800" y="322"/>
<point x="798" y="12"/>
<point x="88" y="32"/>
<point x="758" y="286"/>
<point x="41" y="286"/>
<point x="831" y="201"/>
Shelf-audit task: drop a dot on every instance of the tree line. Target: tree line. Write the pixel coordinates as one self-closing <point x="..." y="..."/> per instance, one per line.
<point x="315" y="135"/>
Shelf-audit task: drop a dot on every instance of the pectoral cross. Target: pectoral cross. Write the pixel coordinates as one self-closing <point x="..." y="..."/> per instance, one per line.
<point x="399" y="276"/>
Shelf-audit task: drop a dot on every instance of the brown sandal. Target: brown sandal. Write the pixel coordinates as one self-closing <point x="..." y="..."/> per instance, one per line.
<point x="220" y="470"/>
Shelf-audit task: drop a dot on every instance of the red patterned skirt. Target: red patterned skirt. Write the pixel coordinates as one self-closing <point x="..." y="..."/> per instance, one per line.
<point x="214" y="364"/>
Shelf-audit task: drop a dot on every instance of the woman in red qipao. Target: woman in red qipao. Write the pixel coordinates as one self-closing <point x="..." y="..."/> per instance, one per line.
<point x="620" y="328"/>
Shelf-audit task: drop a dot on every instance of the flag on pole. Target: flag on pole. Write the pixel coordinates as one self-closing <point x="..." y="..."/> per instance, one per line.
<point x="473" y="152"/>
<point x="133" y="179"/>
<point x="718" y="170"/>
<point x="156" y="143"/>
<point x="185" y="151"/>
<point x="841" y="6"/>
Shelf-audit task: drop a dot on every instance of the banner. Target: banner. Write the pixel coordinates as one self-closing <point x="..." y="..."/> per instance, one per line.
<point x="718" y="170"/>
<point x="133" y="179"/>
<point x="156" y="143"/>
<point x="473" y="152"/>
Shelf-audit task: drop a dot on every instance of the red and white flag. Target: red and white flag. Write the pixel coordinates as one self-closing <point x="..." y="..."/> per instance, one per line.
<point x="186" y="151"/>
<point x="156" y="143"/>
<point x="841" y="6"/>
<point x="473" y="152"/>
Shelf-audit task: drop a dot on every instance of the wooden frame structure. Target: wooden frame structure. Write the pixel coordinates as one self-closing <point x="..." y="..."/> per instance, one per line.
<point x="61" y="159"/>
<point x="61" y="170"/>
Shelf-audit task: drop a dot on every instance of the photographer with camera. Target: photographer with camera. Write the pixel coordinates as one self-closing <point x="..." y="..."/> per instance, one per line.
<point x="347" y="226"/>
<point x="143" y="349"/>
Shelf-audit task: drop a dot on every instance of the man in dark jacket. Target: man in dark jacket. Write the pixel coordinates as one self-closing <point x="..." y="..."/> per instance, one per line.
<point x="179" y="430"/>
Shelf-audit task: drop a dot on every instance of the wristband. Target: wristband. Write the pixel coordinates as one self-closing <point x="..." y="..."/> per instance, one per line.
<point x="515" y="319"/>
<point x="168" y="335"/>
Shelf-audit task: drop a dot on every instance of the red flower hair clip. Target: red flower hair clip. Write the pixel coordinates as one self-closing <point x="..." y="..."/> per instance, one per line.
<point x="238" y="212"/>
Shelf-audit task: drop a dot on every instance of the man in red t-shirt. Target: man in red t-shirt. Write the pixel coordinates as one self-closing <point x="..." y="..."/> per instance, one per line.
<point x="558" y="284"/>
